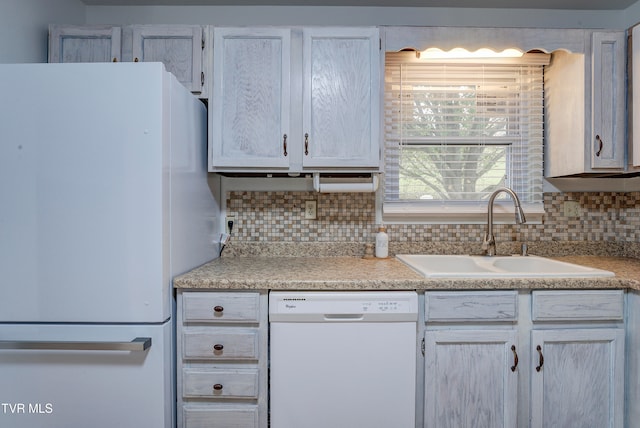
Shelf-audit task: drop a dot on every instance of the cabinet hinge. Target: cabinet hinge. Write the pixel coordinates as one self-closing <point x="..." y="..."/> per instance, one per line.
<point x="422" y="346"/>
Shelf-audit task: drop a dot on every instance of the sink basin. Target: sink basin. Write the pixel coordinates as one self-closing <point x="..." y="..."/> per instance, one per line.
<point x="462" y="266"/>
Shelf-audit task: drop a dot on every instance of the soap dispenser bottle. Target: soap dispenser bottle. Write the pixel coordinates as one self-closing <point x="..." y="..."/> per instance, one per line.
<point x="382" y="243"/>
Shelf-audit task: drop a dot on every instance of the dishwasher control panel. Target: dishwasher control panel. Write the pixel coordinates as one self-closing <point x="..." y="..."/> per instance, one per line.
<point x="347" y="306"/>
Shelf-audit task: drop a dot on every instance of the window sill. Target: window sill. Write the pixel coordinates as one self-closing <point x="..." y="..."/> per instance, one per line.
<point x="503" y="213"/>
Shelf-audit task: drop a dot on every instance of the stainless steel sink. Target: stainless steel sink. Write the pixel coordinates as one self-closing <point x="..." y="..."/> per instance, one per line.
<point x="463" y="266"/>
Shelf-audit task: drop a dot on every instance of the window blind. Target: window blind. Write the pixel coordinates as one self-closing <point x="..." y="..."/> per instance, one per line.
<point x="456" y="131"/>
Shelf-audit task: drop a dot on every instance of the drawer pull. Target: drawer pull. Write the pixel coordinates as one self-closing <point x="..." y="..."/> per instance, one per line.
<point x="600" y="145"/>
<point x="218" y="347"/>
<point x="218" y="309"/>
<point x="217" y="387"/>
<point x="515" y="358"/>
<point x="540" y="358"/>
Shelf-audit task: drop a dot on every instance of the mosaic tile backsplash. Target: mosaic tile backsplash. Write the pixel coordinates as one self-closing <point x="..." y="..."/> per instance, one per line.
<point x="350" y="217"/>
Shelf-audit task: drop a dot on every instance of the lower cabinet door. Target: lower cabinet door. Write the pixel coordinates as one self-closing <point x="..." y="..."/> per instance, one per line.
<point x="471" y="378"/>
<point x="577" y="378"/>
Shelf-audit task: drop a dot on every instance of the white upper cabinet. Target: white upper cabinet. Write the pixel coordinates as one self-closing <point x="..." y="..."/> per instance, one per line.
<point x="341" y="97"/>
<point x="99" y="43"/>
<point x="295" y="100"/>
<point x="179" y="47"/>
<point x="249" y="108"/>
<point x="608" y="136"/>
<point x="585" y="108"/>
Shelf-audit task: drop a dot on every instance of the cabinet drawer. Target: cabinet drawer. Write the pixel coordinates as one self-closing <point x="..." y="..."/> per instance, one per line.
<point x="220" y="417"/>
<point x="218" y="307"/>
<point x="221" y="344"/>
<point x="460" y="306"/>
<point x="577" y="305"/>
<point x="219" y="383"/>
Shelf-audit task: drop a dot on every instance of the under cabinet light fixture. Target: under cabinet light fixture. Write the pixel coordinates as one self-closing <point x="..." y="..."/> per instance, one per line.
<point x="461" y="53"/>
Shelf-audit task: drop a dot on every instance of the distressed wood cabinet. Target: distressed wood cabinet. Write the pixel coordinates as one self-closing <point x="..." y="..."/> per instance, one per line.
<point x="294" y="100"/>
<point x="539" y="359"/>
<point x="578" y="363"/>
<point x="471" y="359"/>
<point x="222" y="359"/>
<point x="97" y="43"/>
<point x="585" y="124"/>
<point x="181" y="48"/>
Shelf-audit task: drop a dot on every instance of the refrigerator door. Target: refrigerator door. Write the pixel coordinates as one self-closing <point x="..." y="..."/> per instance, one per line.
<point x="86" y="167"/>
<point x="84" y="388"/>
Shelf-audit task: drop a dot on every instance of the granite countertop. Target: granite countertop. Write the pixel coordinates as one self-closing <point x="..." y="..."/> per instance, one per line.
<point x="356" y="273"/>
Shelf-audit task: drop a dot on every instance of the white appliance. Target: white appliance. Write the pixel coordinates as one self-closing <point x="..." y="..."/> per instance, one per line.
<point x="343" y="359"/>
<point x="103" y="200"/>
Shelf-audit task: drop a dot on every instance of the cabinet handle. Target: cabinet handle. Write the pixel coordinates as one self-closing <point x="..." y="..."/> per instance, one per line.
<point x="218" y="347"/>
<point x="218" y="309"/>
<point x="600" y="145"/>
<point x="284" y="144"/>
<point x="306" y="144"/>
<point x="515" y="358"/>
<point x="540" y="358"/>
<point x="217" y="387"/>
<point x="202" y="78"/>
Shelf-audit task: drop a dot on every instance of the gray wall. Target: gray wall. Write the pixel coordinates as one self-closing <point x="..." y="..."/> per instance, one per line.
<point x="23" y="23"/>
<point x="23" y="26"/>
<point x="320" y="15"/>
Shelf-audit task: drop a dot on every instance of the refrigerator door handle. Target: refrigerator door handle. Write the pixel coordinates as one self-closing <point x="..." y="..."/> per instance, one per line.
<point x="139" y="344"/>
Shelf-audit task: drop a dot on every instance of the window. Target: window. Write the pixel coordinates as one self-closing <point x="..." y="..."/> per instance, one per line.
<point x="456" y="131"/>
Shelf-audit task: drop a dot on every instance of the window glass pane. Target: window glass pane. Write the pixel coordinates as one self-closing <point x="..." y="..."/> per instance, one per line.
<point x="452" y="172"/>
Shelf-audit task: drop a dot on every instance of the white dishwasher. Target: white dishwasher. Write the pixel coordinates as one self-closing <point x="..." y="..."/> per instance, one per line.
<point x="343" y="359"/>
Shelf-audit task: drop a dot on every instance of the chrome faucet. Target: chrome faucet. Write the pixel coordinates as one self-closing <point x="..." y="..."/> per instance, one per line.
<point x="489" y="242"/>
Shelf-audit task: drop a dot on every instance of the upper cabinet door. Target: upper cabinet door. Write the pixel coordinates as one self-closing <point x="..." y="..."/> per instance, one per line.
<point x="608" y="100"/>
<point x="97" y="43"/>
<point x="341" y="107"/>
<point x="250" y="102"/>
<point x="178" y="47"/>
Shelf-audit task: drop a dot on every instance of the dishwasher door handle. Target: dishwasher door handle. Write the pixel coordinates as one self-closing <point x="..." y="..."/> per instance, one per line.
<point x="138" y="344"/>
<point x="343" y="317"/>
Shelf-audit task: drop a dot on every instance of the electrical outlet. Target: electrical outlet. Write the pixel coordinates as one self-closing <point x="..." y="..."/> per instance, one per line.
<point x="572" y="209"/>
<point x="310" y="210"/>
<point x="229" y="223"/>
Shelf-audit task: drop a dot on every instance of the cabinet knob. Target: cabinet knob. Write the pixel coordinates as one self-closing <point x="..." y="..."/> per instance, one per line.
<point x="217" y="387"/>
<point x="218" y="309"/>
<point x="136" y="60"/>
<point x="114" y="59"/>
<point x="218" y="347"/>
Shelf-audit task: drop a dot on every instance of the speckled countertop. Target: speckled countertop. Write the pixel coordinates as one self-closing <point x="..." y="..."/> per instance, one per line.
<point x="356" y="273"/>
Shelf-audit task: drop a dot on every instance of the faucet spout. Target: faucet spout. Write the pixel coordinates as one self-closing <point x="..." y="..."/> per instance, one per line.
<point x="489" y="242"/>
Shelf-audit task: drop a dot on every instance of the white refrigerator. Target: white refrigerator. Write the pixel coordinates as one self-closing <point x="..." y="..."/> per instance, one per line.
<point x="103" y="200"/>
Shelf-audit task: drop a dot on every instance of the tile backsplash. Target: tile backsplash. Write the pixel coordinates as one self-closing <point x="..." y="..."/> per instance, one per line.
<point x="606" y="219"/>
<point x="350" y="218"/>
